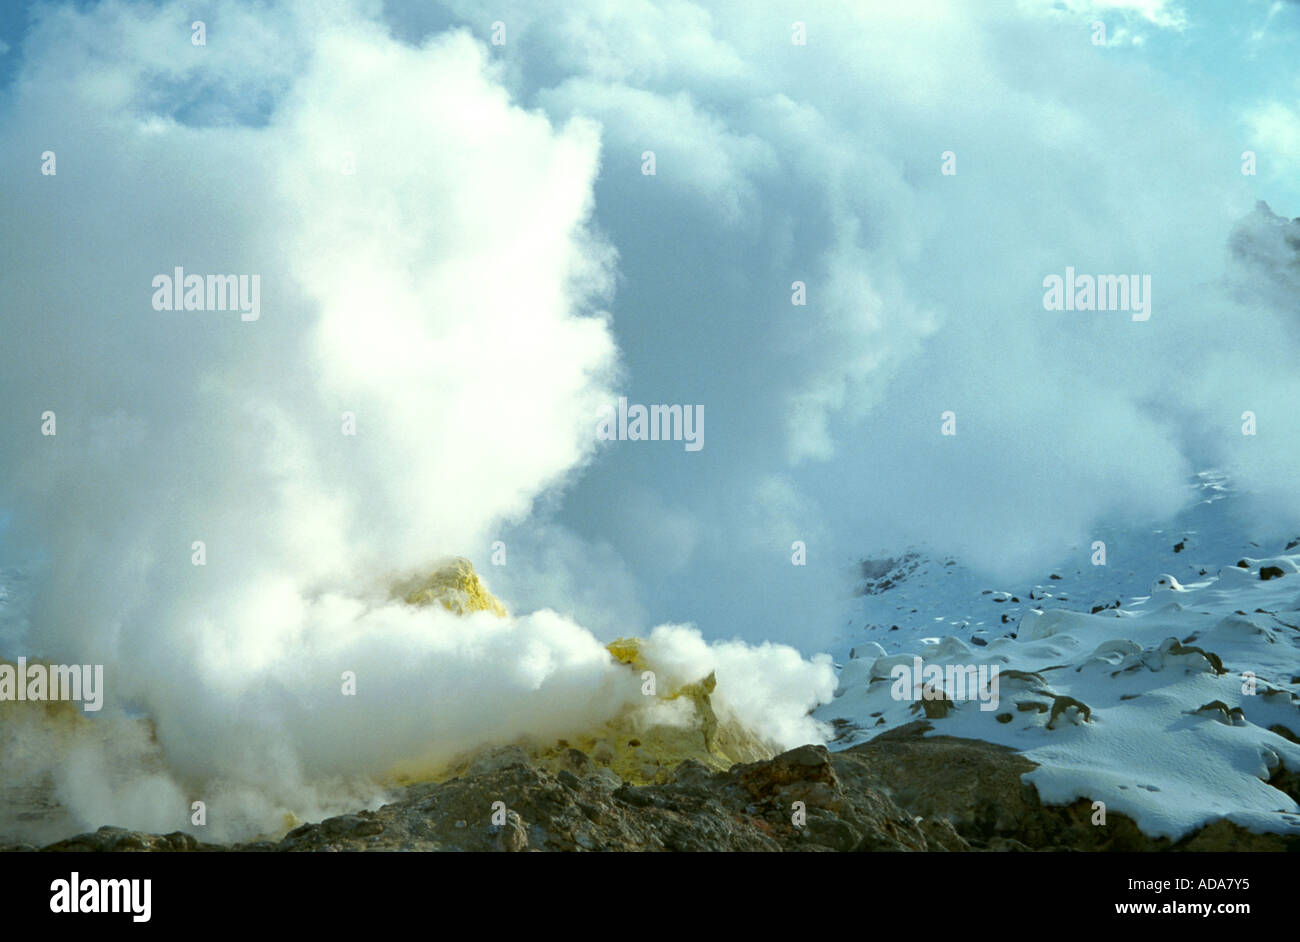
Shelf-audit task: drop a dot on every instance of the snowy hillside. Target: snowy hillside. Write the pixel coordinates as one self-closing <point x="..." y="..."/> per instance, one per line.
<point x="910" y="595"/>
<point x="1175" y="708"/>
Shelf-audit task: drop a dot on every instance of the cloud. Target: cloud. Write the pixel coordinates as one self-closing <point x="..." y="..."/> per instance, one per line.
<point x="1164" y="14"/>
<point x="549" y="566"/>
<point x="498" y="267"/>
<point x="429" y="271"/>
<point x="770" y="686"/>
<point x="446" y="294"/>
<point x="821" y="164"/>
<point x="1275" y="133"/>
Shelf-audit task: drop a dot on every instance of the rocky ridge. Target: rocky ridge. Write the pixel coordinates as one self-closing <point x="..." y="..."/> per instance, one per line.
<point x="901" y="791"/>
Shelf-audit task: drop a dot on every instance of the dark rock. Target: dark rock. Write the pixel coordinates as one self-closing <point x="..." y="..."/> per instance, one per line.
<point x="512" y="837"/>
<point x="119" y="840"/>
<point x="902" y="790"/>
<point x="1284" y="733"/>
<point x="1062" y="704"/>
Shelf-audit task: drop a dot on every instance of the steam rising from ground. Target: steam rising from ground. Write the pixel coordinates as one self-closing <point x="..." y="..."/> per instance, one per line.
<point x="451" y="293"/>
<point x="448" y="294"/>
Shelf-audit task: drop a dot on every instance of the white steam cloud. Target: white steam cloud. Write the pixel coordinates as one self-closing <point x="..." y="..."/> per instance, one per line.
<point x="455" y="294"/>
<point x="448" y="293"/>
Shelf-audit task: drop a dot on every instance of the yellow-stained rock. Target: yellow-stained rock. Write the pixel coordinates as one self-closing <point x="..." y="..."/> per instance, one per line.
<point x="642" y="743"/>
<point x="627" y="651"/>
<point x="456" y="585"/>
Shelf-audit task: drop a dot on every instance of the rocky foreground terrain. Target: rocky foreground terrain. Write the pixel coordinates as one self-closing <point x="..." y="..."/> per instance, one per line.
<point x="898" y="792"/>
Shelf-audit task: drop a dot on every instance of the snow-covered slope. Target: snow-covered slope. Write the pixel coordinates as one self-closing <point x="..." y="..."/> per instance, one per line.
<point x="1175" y="708"/>
<point x="911" y="595"/>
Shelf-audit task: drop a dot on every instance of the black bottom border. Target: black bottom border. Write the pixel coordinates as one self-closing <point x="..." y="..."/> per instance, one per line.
<point x="332" y="890"/>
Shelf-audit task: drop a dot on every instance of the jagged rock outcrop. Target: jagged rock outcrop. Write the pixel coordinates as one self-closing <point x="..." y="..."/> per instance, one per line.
<point x="453" y="584"/>
<point x="900" y="791"/>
